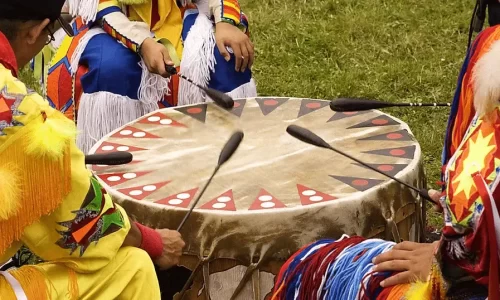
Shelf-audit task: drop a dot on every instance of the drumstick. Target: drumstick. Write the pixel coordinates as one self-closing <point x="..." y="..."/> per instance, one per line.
<point x="309" y="137"/>
<point x="109" y="159"/>
<point x="220" y="98"/>
<point x="232" y="144"/>
<point x="360" y="104"/>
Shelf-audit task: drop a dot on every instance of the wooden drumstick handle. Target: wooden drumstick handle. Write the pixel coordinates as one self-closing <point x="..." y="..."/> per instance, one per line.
<point x="311" y="138"/>
<point x="227" y="152"/>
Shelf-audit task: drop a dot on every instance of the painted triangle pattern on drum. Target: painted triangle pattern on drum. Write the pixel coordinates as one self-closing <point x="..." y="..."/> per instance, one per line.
<point x="391" y="169"/>
<point x="403" y="152"/>
<point x="400" y="135"/>
<point x="181" y="200"/>
<point x="239" y="105"/>
<point x="266" y="201"/>
<point x="360" y="184"/>
<point x="222" y="202"/>
<point x="382" y="120"/>
<point x="160" y="119"/>
<point x="268" y="105"/>
<point x="143" y="191"/>
<point x="342" y="115"/>
<point x="108" y="147"/>
<point x="113" y="179"/>
<point x="310" y="196"/>
<point x="199" y="112"/>
<point x="308" y="106"/>
<point x="132" y="132"/>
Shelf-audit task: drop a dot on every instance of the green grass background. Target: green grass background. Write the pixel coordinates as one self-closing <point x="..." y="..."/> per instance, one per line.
<point x="399" y="50"/>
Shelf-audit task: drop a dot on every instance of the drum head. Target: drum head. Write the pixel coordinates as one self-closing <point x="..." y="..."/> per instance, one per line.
<point x="175" y="151"/>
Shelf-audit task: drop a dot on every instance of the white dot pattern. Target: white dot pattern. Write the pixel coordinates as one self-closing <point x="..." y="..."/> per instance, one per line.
<point x="108" y="148"/>
<point x="265" y="198"/>
<point x="316" y="198"/>
<point x="129" y="175"/>
<point x="126" y="132"/>
<point x="166" y="122"/>
<point x="135" y="193"/>
<point x="123" y="148"/>
<point x="114" y="178"/>
<point x="139" y="134"/>
<point x="175" y="201"/>
<point x="149" y="188"/>
<point x="184" y="196"/>
<point x="154" y="119"/>
<point x="309" y="193"/>
<point x="267" y="204"/>
<point x="219" y="205"/>
<point x="224" y="199"/>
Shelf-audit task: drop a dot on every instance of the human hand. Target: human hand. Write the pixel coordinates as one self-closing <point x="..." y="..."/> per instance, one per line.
<point x="229" y="35"/>
<point x="155" y="57"/>
<point x="172" y="249"/>
<point x="436" y="196"/>
<point x="412" y="261"/>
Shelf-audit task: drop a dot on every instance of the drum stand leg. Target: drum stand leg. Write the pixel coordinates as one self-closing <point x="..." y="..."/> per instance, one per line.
<point x="256" y="285"/>
<point x="190" y="279"/>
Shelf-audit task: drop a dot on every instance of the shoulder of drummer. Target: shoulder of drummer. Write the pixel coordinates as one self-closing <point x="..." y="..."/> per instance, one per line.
<point x="47" y="193"/>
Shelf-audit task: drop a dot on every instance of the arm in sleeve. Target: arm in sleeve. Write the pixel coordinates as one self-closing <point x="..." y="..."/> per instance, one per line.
<point x="114" y="22"/>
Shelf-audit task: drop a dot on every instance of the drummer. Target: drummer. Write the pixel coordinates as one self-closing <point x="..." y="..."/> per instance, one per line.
<point x="48" y="200"/>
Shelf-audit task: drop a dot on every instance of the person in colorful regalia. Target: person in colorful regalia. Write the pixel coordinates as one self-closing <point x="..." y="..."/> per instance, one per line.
<point x="113" y="70"/>
<point x="464" y="263"/>
<point x="49" y="202"/>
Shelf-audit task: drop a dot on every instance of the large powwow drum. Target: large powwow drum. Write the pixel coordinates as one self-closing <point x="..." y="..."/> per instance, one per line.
<point x="275" y="195"/>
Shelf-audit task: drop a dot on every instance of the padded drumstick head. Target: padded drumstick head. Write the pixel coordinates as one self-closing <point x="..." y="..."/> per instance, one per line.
<point x="231" y="146"/>
<point x="220" y="98"/>
<point x="307" y="136"/>
<point x="357" y="104"/>
<point x="109" y="159"/>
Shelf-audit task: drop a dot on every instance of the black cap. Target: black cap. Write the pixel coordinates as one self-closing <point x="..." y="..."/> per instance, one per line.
<point x="34" y="10"/>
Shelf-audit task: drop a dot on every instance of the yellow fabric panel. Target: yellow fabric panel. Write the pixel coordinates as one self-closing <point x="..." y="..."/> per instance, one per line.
<point x="168" y="27"/>
<point x="41" y="234"/>
<point x="107" y="3"/>
<point x="129" y="275"/>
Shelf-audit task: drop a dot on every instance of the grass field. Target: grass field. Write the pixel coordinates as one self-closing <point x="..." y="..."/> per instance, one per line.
<point x="407" y="50"/>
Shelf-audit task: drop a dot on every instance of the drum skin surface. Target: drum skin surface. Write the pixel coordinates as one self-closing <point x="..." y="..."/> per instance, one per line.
<point x="276" y="193"/>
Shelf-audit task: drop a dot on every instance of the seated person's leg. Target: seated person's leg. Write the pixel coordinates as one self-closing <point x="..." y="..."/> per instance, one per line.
<point x="129" y="276"/>
<point x="110" y="90"/>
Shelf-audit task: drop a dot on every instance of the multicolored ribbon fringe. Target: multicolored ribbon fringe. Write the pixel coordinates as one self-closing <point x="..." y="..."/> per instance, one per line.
<point x="341" y="269"/>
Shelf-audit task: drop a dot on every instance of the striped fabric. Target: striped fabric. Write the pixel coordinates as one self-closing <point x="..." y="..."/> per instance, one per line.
<point x="231" y="11"/>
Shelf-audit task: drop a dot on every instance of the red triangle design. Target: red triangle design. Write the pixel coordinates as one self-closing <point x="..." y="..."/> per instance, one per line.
<point x="113" y="179"/>
<point x="310" y="196"/>
<point x="160" y="119"/>
<point x="222" y="202"/>
<point x="181" y="200"/>
<point x="143" y="191"/>
<point x="131" y="132"/>
<point x="108" y="147"/>
<point x="266" y="201"/>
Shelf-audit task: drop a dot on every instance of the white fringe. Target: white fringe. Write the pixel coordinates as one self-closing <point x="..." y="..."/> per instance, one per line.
<point x="486" y="81"/>
<point x="102" y="112"/>
<point x="247" y="90"/>
<point x="82" y="44"/>
<point x="87" y="9"/>
<point x="153" y="86"/>
<point x="198" y="60"/>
